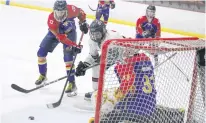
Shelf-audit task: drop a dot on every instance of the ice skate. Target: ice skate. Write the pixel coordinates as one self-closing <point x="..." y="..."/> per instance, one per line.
<point x="41" y="80"/>
<point x="71" y="89"/>
<point x="88" y="96"/>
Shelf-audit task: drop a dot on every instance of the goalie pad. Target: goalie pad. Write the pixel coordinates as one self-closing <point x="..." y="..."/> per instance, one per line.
<point x="109" y="100"/>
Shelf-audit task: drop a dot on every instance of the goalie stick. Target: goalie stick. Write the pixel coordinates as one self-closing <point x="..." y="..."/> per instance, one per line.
<point x="20" y="89"/>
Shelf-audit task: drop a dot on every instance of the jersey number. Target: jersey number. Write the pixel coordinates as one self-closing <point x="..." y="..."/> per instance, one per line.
<point x="73" y="8"/>
<point x="51" y="21"/>
<point x="147" y="85"/>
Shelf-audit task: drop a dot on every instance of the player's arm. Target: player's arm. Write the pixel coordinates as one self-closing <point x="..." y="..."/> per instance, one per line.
<point x="91" y="59"/>
<point x="139" y="29"/>
<point x="81" y="15"/>
<point x="158" y="34"/>
<point x="54" y="27"/>
<point x="112" y="4"/>
<point x="126" y="79"/>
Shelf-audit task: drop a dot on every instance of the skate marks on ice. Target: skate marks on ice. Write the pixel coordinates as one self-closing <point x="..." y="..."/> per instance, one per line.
<point x="82" y="105"/>
<point x="64" y="113"/>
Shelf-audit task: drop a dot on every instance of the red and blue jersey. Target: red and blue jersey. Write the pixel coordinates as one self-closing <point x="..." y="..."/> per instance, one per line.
<point x="137" y="84"/>
<point x="143" y="24"/>
<point x="104" y="5"/>
<point x="69" y="23"/>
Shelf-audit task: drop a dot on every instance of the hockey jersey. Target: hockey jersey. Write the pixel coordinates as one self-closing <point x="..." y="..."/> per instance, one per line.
<point x="136" y="78"/>
<point x="143" y="24"/>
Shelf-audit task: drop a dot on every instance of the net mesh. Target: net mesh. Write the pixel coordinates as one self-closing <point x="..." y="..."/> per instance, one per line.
<point x="151" y="80"/>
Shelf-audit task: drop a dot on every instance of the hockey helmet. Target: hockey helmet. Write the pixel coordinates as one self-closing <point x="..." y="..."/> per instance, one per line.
<point x="150" y="11"/>
<point x="97" y="31"/>
<point x="60" y="10"/>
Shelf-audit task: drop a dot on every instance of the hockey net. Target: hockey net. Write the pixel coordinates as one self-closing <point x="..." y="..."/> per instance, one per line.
<point x="173" y="91"/>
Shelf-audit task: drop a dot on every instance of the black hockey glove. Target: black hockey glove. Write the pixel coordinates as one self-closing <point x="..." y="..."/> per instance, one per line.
<point x="112" y="5"/>
<point x="84" y="27"/>
<point x="77" y="50"/>
<point x="80" y="69"/>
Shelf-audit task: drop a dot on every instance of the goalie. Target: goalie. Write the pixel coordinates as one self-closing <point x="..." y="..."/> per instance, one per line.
<point x="134" y="101"/>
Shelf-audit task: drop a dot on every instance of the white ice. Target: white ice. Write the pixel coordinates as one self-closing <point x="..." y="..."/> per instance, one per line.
<point x="21" y="31"/>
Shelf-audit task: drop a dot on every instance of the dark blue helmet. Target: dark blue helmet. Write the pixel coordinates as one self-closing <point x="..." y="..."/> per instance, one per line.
<point x="60" y="5"/>
<point x="97" y="31"/>
<point x="152" y="8"/>
<point x="60" y="10"/>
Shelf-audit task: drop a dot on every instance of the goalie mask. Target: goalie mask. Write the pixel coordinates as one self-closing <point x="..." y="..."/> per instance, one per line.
<point x="97" y="31"/>
<point x="150" y="12"/>
<point x="60" y="10"/>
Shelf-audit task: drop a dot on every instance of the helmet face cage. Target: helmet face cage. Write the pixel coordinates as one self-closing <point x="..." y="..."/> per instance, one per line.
<point x="97" y="31"/>
<point x="60" y="11"/>
<point x="150" y="13"/>
<point x="60" y="16"/>
<point x="96" y="36"/>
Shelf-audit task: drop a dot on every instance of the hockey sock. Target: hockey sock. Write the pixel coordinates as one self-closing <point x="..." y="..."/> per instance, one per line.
<point x="42" y="67"/>
<point x="71" y="77"/>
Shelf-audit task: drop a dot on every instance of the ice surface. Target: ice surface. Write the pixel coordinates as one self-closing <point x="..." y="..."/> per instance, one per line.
<point x="21" y="31"/>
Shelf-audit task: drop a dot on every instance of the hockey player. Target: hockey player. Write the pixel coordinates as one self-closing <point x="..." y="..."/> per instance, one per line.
<point x="103" y="9"/>
<point x="148" y="26"/>
<point x="62" y="28"/>
<point x="98" y="34"/>
<point x="135" y="98"/>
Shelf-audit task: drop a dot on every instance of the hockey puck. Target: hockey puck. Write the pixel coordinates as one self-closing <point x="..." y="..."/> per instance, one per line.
<point x="31" y="118"/>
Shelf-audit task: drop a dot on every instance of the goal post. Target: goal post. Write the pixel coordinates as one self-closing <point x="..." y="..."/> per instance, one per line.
<point x="150" y="80"/>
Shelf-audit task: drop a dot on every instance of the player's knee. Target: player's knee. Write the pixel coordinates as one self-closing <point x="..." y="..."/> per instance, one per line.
<point x="41" y="60"/>
<point x="42" y="52"/>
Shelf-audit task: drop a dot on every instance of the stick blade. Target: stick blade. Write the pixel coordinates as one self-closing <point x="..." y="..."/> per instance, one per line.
<point x="17" y="88"/>
<point x="53" y="105"/>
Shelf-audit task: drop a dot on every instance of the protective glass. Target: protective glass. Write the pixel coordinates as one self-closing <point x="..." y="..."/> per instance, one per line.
<point x="60" y="16"/>
<point x="96" y="36"/>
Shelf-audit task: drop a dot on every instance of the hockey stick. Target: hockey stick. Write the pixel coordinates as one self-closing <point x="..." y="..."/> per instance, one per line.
<point x="92" y="9"/>
<point x="56" y="104"/>
<point x="20" y="89"/>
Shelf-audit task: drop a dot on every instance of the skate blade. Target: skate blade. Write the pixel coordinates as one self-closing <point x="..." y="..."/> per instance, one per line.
<point x="43" y="83"/>
<point x="72" y="94"/>
<point x="87" y="99"/>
